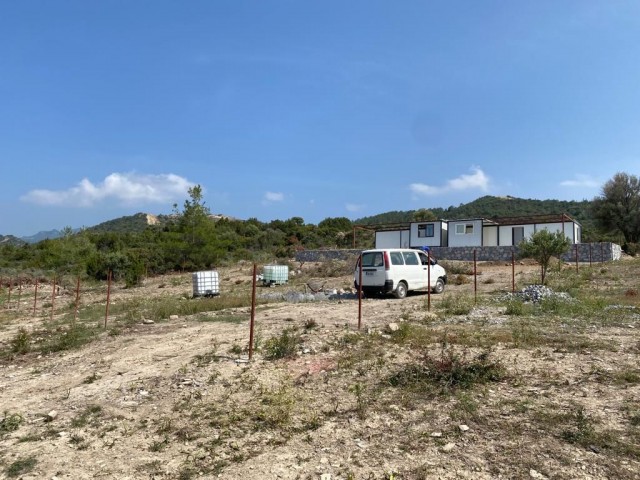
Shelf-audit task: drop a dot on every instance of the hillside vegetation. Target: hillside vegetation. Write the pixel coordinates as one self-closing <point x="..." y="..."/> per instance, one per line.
<point x="192" y="239"/>
<point x="497" y="207"/>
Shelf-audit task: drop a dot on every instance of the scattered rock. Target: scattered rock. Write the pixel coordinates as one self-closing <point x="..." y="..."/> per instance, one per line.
<point x="393" y="327"/>
<point x="535" y="474"/>
<point x="448" y="447"/>
<point x="463" y="428"/>
<point x="436" y="434"/>
<point x="51" y="416"/>
<point x="173" y="317"/>
<point x="147" y="321"/>
<point x="537" y="293"/>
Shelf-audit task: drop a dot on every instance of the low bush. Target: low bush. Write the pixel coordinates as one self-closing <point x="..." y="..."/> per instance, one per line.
<point x="20" y="467"/>
<point x="515" y="306"/>
<point x="73" y="337"/>
<point x="449" y="370"/>
<point x="284" y="346"/>
<point x="457" y="268"/>
<point x="461" y="279"/>
<point x="456" y="305"/>
<point x="21" y="343"/>
<point x="631" y="248"/>
<point x="10" y="423"/>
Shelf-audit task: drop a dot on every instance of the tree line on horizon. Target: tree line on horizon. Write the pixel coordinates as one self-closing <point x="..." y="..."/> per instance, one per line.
<point x="189" y="240"/>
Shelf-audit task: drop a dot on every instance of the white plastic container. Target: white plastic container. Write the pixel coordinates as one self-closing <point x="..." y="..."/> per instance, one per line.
<point x="275" y="275"/>
<point x="205" y="284"/>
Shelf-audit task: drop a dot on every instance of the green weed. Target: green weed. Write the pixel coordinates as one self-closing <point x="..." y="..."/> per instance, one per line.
<point x="284" y="346"/>
<point x="10" y="423"/>
<point x="20" y="344"/>
<point x="456" y="304"/>
<point x="88" y="417"/>
<point x="21" y="466"/>
<point x="73" y="337"/>
<point x="448" y="371"/>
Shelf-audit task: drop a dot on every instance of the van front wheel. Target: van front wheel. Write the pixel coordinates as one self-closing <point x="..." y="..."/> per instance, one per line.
<point x="401" y="290"/>
<point x="439" y="287"/>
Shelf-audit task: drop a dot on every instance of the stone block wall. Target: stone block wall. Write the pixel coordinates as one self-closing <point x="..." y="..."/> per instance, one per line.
<point x="593" y="252"/>
<point x="325" y="255"/>
<point x="587" y="252"/>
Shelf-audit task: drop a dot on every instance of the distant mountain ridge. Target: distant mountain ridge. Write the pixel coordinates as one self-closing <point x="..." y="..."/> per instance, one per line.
<point x="11" y="240"/>
<point x="493" y="207"/>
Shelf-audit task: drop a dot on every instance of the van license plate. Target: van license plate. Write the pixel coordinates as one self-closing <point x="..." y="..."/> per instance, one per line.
<point x="369" y="274"/>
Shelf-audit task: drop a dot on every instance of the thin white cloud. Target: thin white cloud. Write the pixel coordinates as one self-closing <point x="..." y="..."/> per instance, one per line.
<point x="123" y="188"/>
<point x="353" y="207"/>
<point x="581" y="180"/>
<point x="270" y="197"/>
<point x="477" y="180"/>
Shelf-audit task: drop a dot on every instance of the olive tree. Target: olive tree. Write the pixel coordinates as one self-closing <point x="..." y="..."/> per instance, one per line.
<point x="617" y="210"/>
<point x="542" y="246"/>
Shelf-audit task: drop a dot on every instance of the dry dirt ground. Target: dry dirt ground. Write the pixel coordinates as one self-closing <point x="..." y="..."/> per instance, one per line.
<point x="177" y="398"/>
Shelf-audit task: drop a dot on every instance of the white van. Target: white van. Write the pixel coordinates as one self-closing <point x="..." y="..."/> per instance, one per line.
<point x="398" y="271"/>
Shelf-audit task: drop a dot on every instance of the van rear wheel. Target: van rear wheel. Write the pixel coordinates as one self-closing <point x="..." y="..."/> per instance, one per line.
<point x="401" y="290"/>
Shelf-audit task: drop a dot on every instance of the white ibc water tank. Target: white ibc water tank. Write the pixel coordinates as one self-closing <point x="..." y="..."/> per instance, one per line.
<point x="275" y="274"/>
<point x="205" y="284"/>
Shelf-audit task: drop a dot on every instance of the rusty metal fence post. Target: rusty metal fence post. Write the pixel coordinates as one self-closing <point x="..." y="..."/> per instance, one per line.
<point x="253" y="310"/>
<point x="35" y="297"/>
<point x="513" y="271"/>
<point x="19" y="294"/>
<point x="428" y="281"/>
<point x="475" y="277"/>
<point x="53" y="297"/>
<point x="360" y="292"/>
<point x="75" y="313"/>
<point x="106" y="313"/>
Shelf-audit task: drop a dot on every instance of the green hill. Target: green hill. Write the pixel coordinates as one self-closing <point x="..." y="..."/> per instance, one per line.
<point x="130" y="224"/>
<point x="494" y="207"/>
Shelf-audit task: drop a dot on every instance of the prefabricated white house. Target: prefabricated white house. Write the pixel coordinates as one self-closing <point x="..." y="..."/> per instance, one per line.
<point x="476" y="232"/>
<point x="470" y="232"/>
<point x="512" y="230"/>
<point x="392" y="238"/>
<point x="417" y="234"/>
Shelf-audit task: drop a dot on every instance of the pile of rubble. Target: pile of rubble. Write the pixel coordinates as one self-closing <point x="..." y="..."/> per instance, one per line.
<point x="537" y="293"/>
<point x="297" y="297"/>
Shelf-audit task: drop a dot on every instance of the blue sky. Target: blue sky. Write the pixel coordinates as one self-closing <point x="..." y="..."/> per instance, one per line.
<point x="313" y="109"/>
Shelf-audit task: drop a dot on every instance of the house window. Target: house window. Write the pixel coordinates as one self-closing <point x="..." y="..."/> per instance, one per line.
<point x="425" y="230"/>
<point x="464" y="229"/>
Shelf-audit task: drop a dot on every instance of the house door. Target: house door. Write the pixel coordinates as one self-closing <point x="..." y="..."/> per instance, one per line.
<point x="518" y="235"/>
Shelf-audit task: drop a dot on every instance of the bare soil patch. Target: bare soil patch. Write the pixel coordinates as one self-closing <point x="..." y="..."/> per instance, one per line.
<point x="550" y="391"/>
